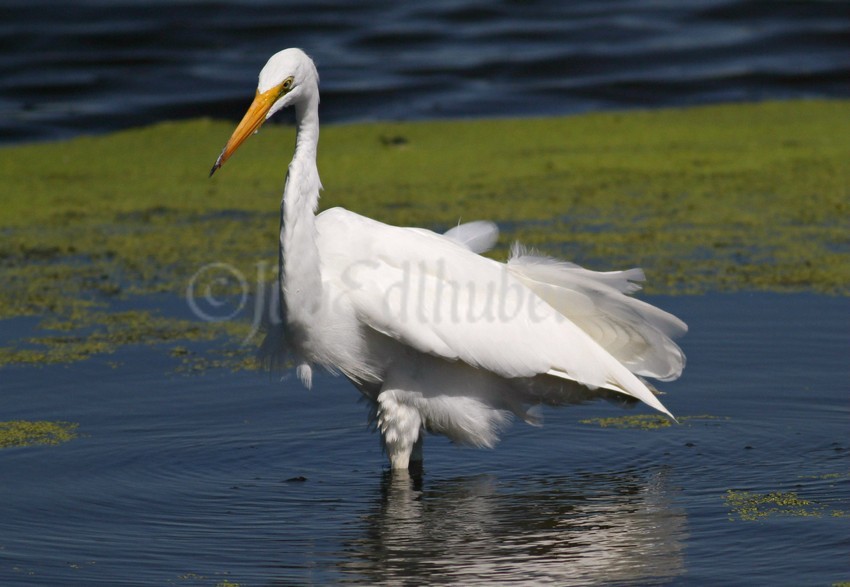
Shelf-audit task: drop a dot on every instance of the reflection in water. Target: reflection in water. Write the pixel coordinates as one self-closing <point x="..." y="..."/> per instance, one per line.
<point x="585" y="529"/>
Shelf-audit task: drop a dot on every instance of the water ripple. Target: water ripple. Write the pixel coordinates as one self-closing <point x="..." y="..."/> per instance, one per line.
<point x="90" y="68"/>
<point x="198" y="480"/>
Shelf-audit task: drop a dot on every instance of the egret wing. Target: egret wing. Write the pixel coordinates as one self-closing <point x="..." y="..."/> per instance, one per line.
<point x="637" y="334"/>
<point x="438" y="297"/>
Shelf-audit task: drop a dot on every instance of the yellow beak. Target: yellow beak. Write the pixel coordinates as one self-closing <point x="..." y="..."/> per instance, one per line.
<point x="251" y="122"/>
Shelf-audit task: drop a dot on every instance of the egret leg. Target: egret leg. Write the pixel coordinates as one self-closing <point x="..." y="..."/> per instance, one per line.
<point x="401" y="429"/>
<point x="415" y="466"/>
<point x="416" y="455"/>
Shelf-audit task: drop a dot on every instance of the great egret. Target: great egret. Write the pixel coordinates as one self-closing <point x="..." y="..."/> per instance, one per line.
<point x="436" y="336"/>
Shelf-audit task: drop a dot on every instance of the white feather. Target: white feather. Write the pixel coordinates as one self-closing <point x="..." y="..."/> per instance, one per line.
<point x="478" y="236"/>
<point x="437" y="297"/>
<point x="634" y="332"/>
<point x="436" y="336"/>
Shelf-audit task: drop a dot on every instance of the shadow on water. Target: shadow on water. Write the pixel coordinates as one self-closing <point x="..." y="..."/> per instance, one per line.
<point x="578" y="529"/>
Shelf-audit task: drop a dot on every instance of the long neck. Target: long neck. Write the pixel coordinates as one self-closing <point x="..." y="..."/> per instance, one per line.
<point x="300" y="275"/>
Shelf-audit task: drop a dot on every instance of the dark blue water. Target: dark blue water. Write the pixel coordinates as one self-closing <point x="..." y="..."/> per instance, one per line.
<point x="92" y="66"/>
<point x="198" y="480"/>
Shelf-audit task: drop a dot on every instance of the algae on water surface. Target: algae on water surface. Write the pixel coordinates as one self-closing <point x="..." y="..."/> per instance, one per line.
<point x="751" y="506"/>
<point x="744" y="196"/>
<point x="19" y="433"/>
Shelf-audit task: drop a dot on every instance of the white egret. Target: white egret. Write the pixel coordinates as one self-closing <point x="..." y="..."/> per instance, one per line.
<point x="436" y="336"/>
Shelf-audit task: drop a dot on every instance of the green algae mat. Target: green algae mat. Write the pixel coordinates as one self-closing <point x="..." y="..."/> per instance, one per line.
<point x="720" y="198"/>
<point x="19" y="433"/>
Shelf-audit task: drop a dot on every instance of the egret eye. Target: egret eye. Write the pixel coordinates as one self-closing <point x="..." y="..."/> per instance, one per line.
<point x="286" y="85"/>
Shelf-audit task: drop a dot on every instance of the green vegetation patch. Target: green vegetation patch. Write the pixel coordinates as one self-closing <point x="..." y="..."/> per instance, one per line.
<point x="720" y="198"/>
<point x="750" y="506"/>
<point x="99" y="332"/>
<point x="642" y="421"/>
<point x="637" y="422"/>
<point x="195" y="577"/>
<point x="17" y="433"/>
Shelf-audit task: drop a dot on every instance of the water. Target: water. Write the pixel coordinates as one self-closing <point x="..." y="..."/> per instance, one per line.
<point x="197" y="480"/>
<point x="93" y="66"/>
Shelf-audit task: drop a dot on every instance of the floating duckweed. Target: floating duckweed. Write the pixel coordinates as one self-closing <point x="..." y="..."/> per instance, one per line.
<point x="197" y="577"/>
<point x="720" y="198"/>
<point x="756" y="506"/>
<point x="238" y="359"/>
<point x="642" y="421"/>
<point x="17" y="433"/>
<point x="826" y="476"/>
<point x="638" y="422"/>
<point x="179" y="351"/>
<point x="105" y="332"/>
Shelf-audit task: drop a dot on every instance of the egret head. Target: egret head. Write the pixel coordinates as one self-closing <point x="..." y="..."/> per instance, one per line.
<point x="288" y="78"/>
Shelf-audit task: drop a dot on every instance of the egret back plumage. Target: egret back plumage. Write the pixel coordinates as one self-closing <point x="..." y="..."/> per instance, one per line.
<point x="436" y="336"/>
